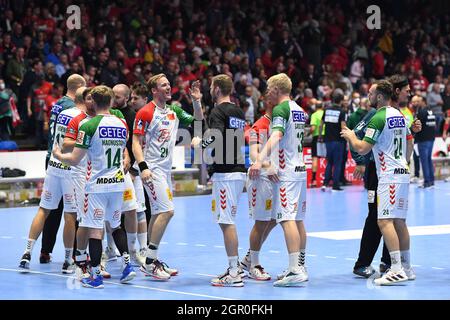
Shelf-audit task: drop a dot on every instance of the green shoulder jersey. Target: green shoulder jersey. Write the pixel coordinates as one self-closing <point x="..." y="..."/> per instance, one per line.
<point x="289" y="118"/>
<point x="105" y="137"/>
<point x="387" y="131"/>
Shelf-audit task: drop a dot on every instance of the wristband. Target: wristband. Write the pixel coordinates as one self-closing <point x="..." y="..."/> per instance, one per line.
<point x="143" y="166"/>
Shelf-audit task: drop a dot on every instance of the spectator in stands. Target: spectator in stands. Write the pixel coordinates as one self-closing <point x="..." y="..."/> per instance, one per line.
<point x="425" y="140"/>
<point x="37" y="112"/>
<point x="5" y="111"/>
<point x="435" y="102"/>
<point x="15" y="70"/>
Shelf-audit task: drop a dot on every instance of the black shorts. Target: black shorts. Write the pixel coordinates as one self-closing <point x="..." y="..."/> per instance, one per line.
<point x="314" y="146"/>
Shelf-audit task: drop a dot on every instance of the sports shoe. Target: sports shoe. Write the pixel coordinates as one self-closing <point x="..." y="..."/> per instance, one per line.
<point x="136" y="260"/>
<point x="410" y="273"/>
<point x="155" y="270"/>
<point x="110" y="254"/>
<point x="292" y="279"/>
<point x="313" y="184"/>
<point x="258" y="273"/>
<point x="391" y="277"/>
<point x="227" y="280"/>
<point x="337" y="189"/>
<point x="245" y="263"/>
<point x="384" y="267"/>
<point x="414" y="180"/>
<point x="24" y="265"/>
<point x="171" y="271"/>
<point x="68" y="267"/>
<point x="365" y="272"/>
<point x="128" y="274"/>
<point x="283" y="274"/>
<point x="45" y="258"/>
<point x="447" y="179"/>
<point x="105" y="274"/>
<point x="323" y="188"/>
<point x="82" y="271"/>
<point x="95" y="283"/>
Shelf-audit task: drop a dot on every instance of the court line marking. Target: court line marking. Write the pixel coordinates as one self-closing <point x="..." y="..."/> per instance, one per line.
<point x="117" y="283"/>
<point x="6" y="237"/>
<point x="200" y="245"/>
<point x="207" y="275"/>
<point x="437" y="268"/>
<point x="181" y="243"/>
<point x="330" y="257"/>
<point x="350" y="259"/>
<point x="219" y="246"/>
<point x="274" y="251"/>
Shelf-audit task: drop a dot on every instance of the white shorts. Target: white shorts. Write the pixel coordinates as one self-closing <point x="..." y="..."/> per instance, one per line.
<point x="54" y="188"/>
<point x="159" y="192"/>
<point x="79" y="184"/>
<point x="226" y="193"/>
<point x="101" y="207"/>
<point x="260" y="199"/>
<point x="289" y="200"/>
<point x="140" y="197"/>
<point x="392" y="200"/>
<point x="129" y="195"/>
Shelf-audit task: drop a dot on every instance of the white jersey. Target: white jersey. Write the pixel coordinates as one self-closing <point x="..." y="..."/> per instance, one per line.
<point x="289" y="118"/>
<point x="159" y="128"/>
<point x="388" y="133"/>
<point x="105" y="137"/>
<point x="55" y="167"/>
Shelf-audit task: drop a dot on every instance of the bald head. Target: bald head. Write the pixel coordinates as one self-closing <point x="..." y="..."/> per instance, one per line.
<point x="74" y="82"/>
<point x="121" y="95"/>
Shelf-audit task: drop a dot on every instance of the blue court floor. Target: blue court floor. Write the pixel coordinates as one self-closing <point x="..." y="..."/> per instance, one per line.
<point x="193" y="244"/>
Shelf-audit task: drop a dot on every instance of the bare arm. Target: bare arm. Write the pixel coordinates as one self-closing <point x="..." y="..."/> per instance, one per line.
<point x="68" y="145"/>
<point x="72" y="158"/>
<point x="273" y="141"/>
<point x="360" y="146"/>
<point x="137" y="148"/>
<point x="409" y="149"/>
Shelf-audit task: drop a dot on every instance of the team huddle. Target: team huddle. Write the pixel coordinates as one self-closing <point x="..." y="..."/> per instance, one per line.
<point x="103" y="158"/>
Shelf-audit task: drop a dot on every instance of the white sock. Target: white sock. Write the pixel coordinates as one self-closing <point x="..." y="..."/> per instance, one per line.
<point x="96" y="271"/>
<point x="396" y="263"/>
<point x="125" y="258"/>
<point x="142" y="239"/>
<point x="131" y="239"/>
<point x="233" y="263"/>
<point x="293" y="260"/>
<point x="68" y="254"/>
<point x="30" y="245"/>
<point x="302" y="257"/>
<point x="152" y="251"/>
<point x="405" y="257"/>
<point x="81" y="256"/>
<point x="254" y="258"/>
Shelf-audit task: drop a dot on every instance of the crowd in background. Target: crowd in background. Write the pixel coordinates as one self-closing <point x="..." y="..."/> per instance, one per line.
<point x="321" y="45"/>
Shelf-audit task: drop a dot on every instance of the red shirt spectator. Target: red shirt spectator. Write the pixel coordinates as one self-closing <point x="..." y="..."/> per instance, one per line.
<point x="177" y="45"/>
<point x="378" y="64"/>
<point x="414" y="62"/>
<point x="187" y="76"/>
<point x="419" y="82"/>
<point x="335" y="60"/>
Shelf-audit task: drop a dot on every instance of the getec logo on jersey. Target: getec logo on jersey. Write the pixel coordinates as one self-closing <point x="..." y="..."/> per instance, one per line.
<point x="112" y="132"/>
<point x="63" y="119"/>
<point x="396" y="122"/>
<point x="236" y="123"/>
<point x="56" y="109"/>
<point x="298" y="116"/>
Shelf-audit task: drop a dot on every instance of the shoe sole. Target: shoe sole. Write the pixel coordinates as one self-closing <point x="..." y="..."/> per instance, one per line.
<point x="68" y="271"/>
<point x="292" y="284"/>
<point x="235" y="285"/>
<point x="129" y="277"/>
<point x="259" y="279"/>
<point x="390" y="283"/>
<point x="366" y="276"/>
<point x="24" y="270"/>
<point x="92" y="287"/>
